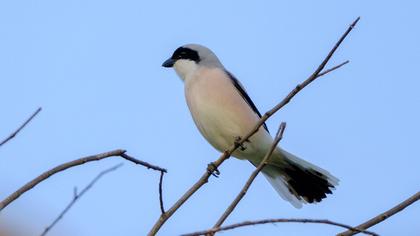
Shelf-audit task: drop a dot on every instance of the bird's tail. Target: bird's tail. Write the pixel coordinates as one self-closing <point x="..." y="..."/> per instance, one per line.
<point x="296" y="180"/>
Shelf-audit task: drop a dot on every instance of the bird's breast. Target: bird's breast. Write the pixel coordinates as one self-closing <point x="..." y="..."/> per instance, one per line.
<point x="218" y="110"/>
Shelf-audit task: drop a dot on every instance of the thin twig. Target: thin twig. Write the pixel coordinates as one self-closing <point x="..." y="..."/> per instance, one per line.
<point x="77" y="196"/>
<point x="251" y="178"/>
<point x="381" y="217"/>
<point x="162" y="208"/>
<point x="271" y="221"/>
<point x="62" y="167"/>
<point x="211" y="168"/>
<point x="157" y="168"/>
<point x="12" y="135"/>
<point x="143" y="163"/>
<point x="324" y="72"/>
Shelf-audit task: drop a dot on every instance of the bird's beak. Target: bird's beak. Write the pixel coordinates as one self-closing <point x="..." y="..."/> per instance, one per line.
<point x="169" y="63"/>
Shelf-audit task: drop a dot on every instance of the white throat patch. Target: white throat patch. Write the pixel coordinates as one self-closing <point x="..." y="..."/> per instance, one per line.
<point x="184" y="68"/>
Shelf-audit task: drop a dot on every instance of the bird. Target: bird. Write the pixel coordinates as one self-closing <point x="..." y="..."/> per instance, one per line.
<point x="223" y="112"/>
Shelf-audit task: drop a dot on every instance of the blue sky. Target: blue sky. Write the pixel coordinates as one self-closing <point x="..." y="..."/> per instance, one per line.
<point x="95" y="68"/>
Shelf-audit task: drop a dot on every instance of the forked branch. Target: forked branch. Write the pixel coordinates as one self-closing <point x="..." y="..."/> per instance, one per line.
<point x="77" y="196"/>
<point x="119" y="153"/>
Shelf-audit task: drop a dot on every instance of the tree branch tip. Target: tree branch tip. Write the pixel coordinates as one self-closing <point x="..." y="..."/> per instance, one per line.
<point x="280" y="131"/>
<point x="13" y="135"/>
<point x="282" y="126"/>
<point x="121" y="151"/>
<point x="345" y="62"/>
<point x="324" y="72"/>
<point x="357" y="20"/>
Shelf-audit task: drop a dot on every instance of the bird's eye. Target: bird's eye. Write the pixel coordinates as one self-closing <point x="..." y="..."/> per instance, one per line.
<point x="182" y="55"/>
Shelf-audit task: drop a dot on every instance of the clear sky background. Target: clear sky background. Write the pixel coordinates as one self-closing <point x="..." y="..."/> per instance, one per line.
<point x="95" y="68"/>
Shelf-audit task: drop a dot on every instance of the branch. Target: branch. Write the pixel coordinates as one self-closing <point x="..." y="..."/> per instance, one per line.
<point x="12" y="135"/>
<point x="214" y="165"/>
<point x="332" y="68"/>
<point x="150" y="166"/>
<point x="62" y="167"/>
<point x="77" y="197"/>
<point x="268" y="221"/>
<point x="381" y="217"/>
<point x="143" y="163"/>
<point x="254" y="174"/>
<point x="162" y="208"/>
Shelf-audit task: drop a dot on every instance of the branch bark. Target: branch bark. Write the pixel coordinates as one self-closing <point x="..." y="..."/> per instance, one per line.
<point x="268" y="221"/>
<point x="77" y="196"/>
<point x="381" y="217"/>
<point x="12" y="135"/>
<point x="213" y="167"/>
<point x="119" y="152"/>
<point x="254" y="174"/>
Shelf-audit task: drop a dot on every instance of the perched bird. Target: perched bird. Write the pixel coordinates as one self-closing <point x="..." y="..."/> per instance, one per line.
<point x="223" y="111"/>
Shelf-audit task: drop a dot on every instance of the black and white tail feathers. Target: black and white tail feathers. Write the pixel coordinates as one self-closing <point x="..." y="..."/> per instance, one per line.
<point x="296" y="180"/>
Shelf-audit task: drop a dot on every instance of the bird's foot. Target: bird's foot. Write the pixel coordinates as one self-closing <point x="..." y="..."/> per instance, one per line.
<point x="240" y="145"/>
<point x="212" y="169"/>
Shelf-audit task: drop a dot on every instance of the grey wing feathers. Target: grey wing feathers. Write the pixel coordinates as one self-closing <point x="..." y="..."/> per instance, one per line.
<point x="245" y="96"/>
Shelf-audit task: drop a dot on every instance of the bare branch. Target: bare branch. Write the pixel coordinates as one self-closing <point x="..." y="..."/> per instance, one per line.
<point x="324" y="72"/>
<point x="381" y="217"/>
<point x="77" y="196"/>
<point x="271" y="221"/>
<point x="143" y="163"/>
<point x="213" y="167"/>
<point x="157" y="168"/>
<point x="12" y="135"/>
<point x="162" y="208"/>
<point x="62" y="167"/>
<point x="254" y="174"/>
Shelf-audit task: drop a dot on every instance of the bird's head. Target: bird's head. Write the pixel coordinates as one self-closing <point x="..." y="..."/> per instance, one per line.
<point x="186" y="59"/>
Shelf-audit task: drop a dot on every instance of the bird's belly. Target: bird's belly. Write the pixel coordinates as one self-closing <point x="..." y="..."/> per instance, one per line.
<point x="222" y="115"/>
<point x="216" y="125"/>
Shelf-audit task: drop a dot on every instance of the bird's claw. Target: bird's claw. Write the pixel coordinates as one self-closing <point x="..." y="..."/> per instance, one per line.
<point x="212" y="169"/>
<point x="238" y="143"/>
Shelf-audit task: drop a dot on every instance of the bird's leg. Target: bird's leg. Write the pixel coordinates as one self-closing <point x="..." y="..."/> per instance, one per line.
<point x="241" y="146"/>
<point x="212" y="169"/>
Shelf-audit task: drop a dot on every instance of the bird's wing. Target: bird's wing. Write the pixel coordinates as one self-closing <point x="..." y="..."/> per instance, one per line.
<point x="244" y="95"/>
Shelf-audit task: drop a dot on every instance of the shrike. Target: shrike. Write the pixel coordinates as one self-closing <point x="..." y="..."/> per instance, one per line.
<point x="223" y="111"/>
